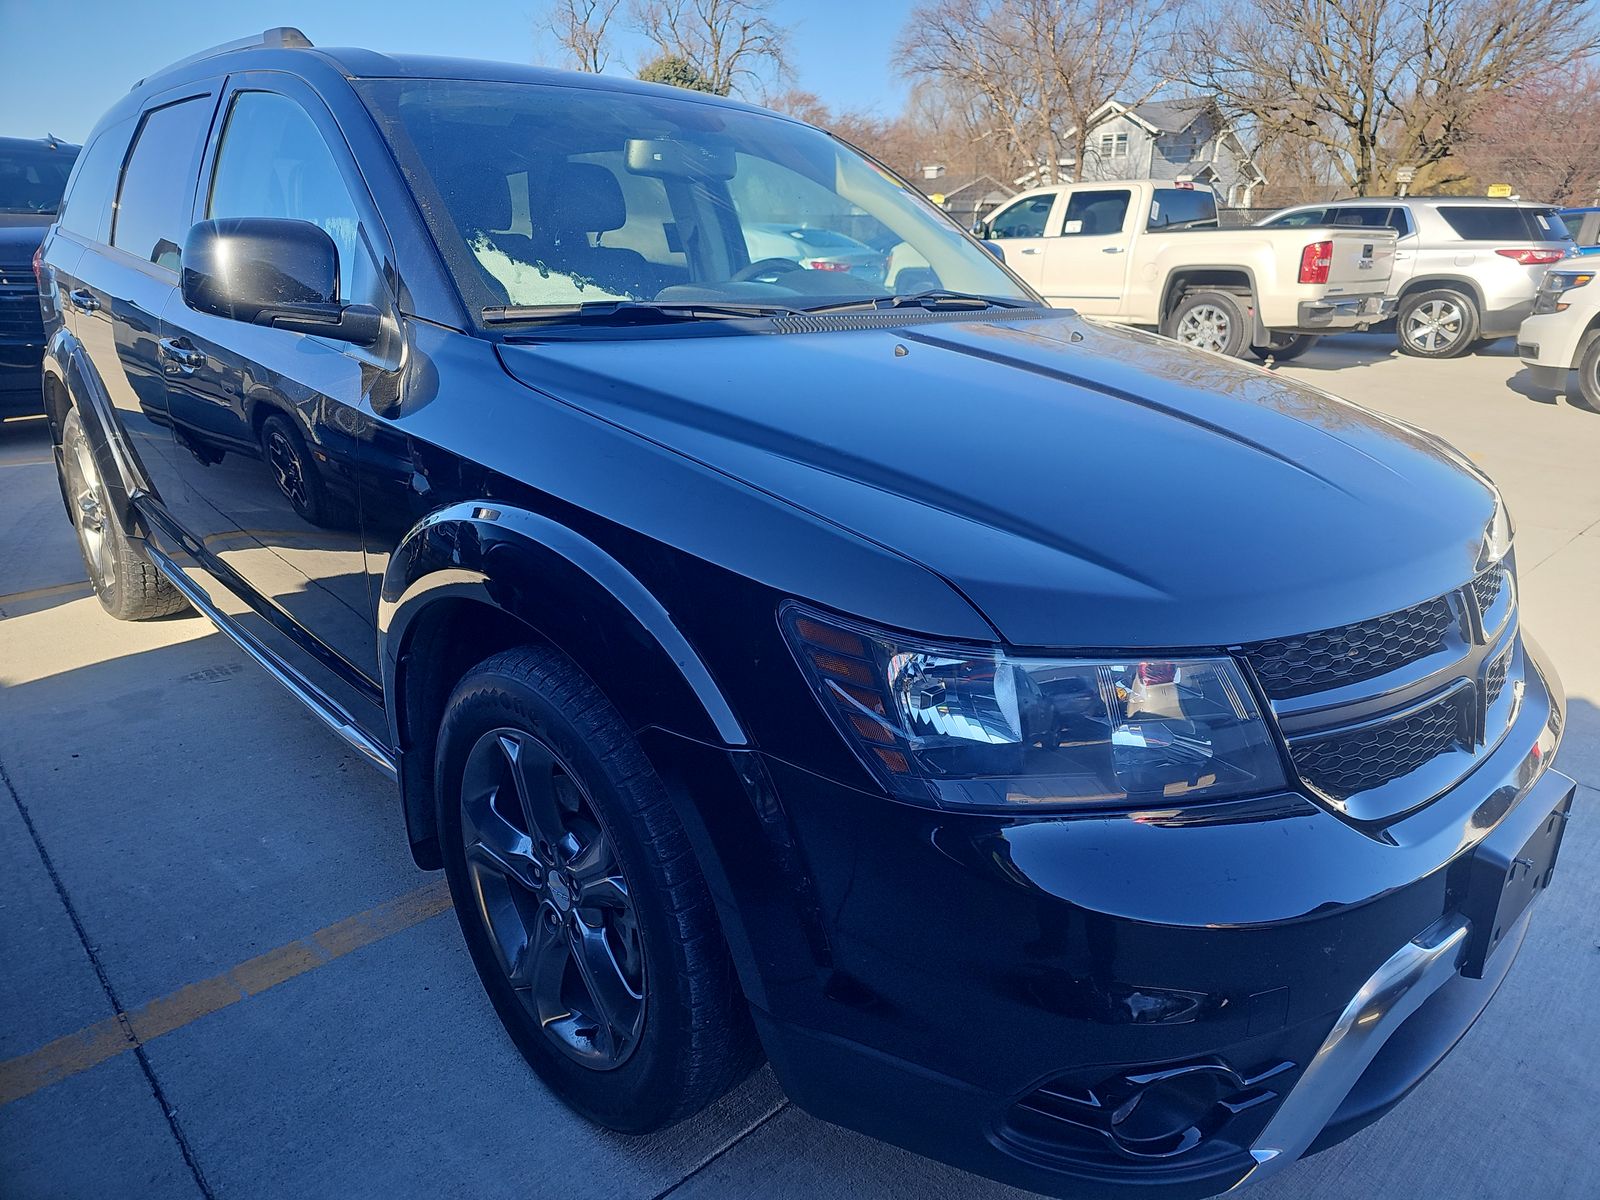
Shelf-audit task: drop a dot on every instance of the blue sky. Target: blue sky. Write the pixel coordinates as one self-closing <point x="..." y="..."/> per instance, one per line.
<point x="89" y="52"/>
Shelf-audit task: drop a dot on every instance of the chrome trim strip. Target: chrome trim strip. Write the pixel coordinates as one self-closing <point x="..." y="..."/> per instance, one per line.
<point x="321" y="705"/>
<point x="1396" y="990"/>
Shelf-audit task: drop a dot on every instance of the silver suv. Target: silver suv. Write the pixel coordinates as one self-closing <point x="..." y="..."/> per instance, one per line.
<point x="1466" y="269"/>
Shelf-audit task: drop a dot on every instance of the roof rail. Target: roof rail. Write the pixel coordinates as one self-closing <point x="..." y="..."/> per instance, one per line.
<point x="283" y="37"/>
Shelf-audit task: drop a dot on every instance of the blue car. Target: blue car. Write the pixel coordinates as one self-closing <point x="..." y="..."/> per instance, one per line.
<point x="1585" y="226"/>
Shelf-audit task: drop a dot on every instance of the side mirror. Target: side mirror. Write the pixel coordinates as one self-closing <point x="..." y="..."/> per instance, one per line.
<point x="269" y="271"/>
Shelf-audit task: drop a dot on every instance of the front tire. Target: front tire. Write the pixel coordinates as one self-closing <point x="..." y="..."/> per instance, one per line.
<point x="579" y="898"/>
<point x="1589" y="371"/>
<point x="1438" y="323"/>
<point x="126" y="582"/>
<point x="1210" y="321"/>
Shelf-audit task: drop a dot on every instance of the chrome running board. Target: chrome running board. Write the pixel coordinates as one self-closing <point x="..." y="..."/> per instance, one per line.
<point x="322" y="706"/>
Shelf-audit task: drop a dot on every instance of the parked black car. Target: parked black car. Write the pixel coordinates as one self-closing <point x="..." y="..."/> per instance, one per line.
<point x="33" y="175"/>
<point x="1091" y="762"/>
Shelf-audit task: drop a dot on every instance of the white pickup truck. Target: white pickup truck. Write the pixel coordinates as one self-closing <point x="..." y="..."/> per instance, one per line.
<point x="1149" y="253"/>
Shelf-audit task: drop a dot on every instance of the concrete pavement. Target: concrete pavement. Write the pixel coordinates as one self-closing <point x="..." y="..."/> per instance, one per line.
<point x="139" y="868"/>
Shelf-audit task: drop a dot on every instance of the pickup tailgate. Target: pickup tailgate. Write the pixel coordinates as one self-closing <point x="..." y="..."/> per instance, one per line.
<point x="1363" y="259"/>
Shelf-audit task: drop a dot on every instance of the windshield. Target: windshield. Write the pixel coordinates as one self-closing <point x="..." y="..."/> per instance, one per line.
<point x="547" y="196"/>
<point x="32" y="177"/>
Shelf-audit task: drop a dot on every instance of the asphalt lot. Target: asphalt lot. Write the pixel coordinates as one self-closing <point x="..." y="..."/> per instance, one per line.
<point x="220" y="974"/>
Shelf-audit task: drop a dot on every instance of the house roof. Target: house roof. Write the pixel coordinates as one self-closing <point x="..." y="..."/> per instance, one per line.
<point x="951" y="186"/>
<point x="1173" y="116"/>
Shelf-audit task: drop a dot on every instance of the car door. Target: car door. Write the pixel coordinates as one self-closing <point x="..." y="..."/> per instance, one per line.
<point x="127" y="275"/>
<point x="1020" y="229"/>
<point x="272" y="424"/>
<point x="1086" y="263"/>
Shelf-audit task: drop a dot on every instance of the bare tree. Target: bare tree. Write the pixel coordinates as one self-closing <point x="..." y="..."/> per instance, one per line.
<point x="1564" y="168"/>
<point x="1379" y="84"/>
<point x="734" y="45"/>
<point x="580" y="28"/>
<point x="1031" y="73"/>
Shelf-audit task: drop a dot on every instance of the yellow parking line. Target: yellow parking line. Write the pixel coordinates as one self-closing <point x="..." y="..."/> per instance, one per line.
<point x="78" y="1052"/>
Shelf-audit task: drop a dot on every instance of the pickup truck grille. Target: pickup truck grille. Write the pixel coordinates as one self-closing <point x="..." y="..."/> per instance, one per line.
<point x="1437" y="677"/>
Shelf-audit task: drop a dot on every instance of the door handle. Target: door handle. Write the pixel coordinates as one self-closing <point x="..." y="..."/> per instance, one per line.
<point x="1031" y="250"/>
<point x="83" y="299"/>
<point x="1112" y="249"/>
<point x="185" y="357"/>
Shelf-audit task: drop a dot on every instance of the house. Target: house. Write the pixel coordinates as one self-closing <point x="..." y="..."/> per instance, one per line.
<point x="964" y="197"/>
<point x="1188" y="138"/>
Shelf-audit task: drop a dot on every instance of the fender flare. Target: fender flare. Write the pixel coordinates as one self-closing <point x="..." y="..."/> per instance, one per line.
<point x="567" y="591"/>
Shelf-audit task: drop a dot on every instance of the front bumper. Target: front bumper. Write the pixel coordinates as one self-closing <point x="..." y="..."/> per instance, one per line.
<point x="1547" y="344"/>
<point x="987" y="991"/>
<point x="1343" y="312"/>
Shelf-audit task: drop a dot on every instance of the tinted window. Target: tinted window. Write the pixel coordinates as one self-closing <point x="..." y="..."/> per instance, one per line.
<point x="158" y="183"/>
<point x="1363" y="218"/>
<point x="1296" y="220"/>
<point x="89" y="198"/>
<point x="274" y="163"/>
<point x="32" y="177"/>
<point x="1504" y="223"/>
<point x="1175" y="207"/>
<point x="1025" y="218"/>
<point x="1095" y="214"/>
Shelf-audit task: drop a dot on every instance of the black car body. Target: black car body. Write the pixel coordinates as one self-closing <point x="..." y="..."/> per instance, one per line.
<point x="33" y="175"/>
<point x="759" y="539"/>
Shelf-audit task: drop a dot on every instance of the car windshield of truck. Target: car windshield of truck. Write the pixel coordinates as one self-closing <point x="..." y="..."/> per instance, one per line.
<point x="33" y="177"/>
<point x="564" y="201"/>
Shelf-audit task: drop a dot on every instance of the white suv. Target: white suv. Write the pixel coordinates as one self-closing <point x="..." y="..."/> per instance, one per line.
<point x="1563" y="334"/>
<point x="1466" y="268"/>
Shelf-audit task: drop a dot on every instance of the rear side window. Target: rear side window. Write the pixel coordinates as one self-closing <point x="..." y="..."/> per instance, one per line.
<point x="1025" y="218"/>
<point x="1496" y="223"/>
<point x="1173" y="208"/>
<point x="158" y="183"/>
<point x="1095" y="214"/>
<point x="274" y="163"/>
<point x="1299" y="220"/>
<point x="89" y="194"/>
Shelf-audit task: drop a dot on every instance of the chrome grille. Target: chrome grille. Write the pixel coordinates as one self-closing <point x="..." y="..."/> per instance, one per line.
<point x="1329" y="658"/>
<point x="1345" y="764"/>
<point x="1435" y="673"/>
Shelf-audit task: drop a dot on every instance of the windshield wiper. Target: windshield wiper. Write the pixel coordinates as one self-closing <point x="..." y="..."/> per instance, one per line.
<point x="933" y="300"/>
<point x="629" y="312"/>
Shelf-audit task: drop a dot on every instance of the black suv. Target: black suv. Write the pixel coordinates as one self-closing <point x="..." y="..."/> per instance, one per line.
<point x="33" y="174"/>
<point x="1089" y="761"/>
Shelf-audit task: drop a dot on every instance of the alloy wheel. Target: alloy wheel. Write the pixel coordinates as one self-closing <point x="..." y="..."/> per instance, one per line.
<point x="1434" y="325"/>
<point x="551" y="893"/>
<point x="90" y="515"/>
<point x="1205" y="326"/>
<point x="287" y="469"/>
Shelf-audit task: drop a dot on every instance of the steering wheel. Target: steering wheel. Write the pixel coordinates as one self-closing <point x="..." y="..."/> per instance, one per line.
<point x="765" y="266"/>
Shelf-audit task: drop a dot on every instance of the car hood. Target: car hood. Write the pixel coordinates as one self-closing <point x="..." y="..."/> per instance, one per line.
<point x="20" y="235"/>
<point x="1082" y="486"/>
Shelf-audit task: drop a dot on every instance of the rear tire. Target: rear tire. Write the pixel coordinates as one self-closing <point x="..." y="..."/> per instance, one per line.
<point x="1291" y="347"/>
<point x="1210" y="321"/>
<point x="1438" y="323"/>
<point x="127" y="583"/>
<point x="613" y="980"/>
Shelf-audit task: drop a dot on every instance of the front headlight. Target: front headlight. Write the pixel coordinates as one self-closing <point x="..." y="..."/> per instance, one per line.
<point x="964" y="727"/>
<point x="1557" y="284"/>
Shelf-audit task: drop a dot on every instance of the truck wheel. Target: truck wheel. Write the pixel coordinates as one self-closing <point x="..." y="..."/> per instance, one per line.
<point x="589" y="923"/>
<point x="127" y="583"/>
<point x="1589" y="371"/>
<point x="1210" y="321"/>
<point x="1438" y="323"/>
<point x="294" y="470"/>
<point x="1286" y="348"/>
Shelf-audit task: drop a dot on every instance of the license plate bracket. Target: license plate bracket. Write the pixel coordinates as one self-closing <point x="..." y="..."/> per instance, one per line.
<point x="1510" y="868"/>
